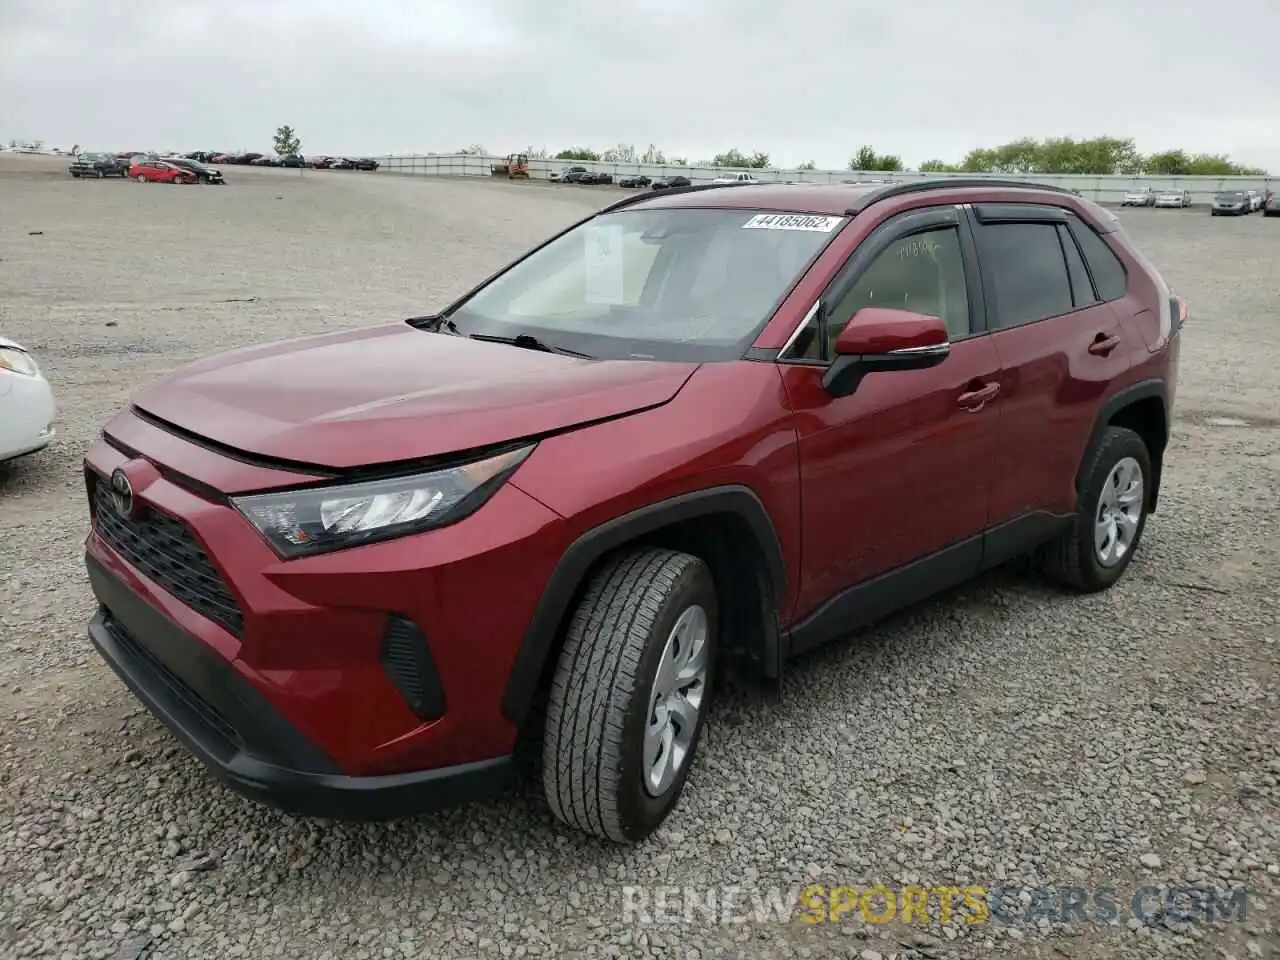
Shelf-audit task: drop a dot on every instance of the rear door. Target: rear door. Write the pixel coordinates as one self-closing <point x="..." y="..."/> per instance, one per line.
<point x="1060" y="346"/>
<point x="901" y="468"/>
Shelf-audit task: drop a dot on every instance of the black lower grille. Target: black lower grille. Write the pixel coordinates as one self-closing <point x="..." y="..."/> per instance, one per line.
<point x="195" y="703"/>
<point x="165" y="551"/>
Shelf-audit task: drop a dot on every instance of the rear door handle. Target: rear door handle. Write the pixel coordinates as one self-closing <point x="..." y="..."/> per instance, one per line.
<point x="975" y="400"/>
<point x="1103" y="345"/>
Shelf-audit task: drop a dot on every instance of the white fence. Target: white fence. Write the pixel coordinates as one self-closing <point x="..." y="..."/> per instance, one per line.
<point x="1104" y="189"/>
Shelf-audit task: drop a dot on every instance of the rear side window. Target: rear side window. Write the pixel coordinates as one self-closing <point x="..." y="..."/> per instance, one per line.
<point x="1081" y="288"/>
<point x="1027" y="271"/>
<point x="1107" y="270"/>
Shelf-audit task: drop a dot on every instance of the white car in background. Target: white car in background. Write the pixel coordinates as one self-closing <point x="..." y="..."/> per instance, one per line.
<point x="736" y="178"/>
<point x="1173" y="198"/>
<point x="1139" y="197"/>
<point x="26" y="403"/>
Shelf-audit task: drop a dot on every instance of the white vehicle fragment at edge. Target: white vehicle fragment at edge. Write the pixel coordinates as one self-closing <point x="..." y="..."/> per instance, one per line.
<point x="26" y="403"/>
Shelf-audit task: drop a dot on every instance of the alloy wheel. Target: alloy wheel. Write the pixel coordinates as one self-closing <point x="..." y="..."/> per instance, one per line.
<point x="679" y="689"/>
<point x="1119" y="512"/>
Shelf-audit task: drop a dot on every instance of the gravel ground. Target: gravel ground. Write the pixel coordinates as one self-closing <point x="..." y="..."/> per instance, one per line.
<point x="1002" y="735"/>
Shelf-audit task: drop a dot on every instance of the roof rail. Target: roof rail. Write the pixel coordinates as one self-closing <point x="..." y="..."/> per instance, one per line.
<point x="953" y="183"/>
<point x="667" y="192"/>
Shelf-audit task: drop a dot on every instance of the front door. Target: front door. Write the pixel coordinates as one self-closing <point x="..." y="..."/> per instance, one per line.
<point x="902" y="468"/>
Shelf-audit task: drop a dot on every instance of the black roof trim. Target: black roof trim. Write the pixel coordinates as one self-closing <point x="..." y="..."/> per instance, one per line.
<point x="956" y="183"/>
<point x="667" y="192"/>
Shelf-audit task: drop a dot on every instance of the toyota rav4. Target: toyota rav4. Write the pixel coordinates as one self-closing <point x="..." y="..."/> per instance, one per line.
<point x="708" y="428"/>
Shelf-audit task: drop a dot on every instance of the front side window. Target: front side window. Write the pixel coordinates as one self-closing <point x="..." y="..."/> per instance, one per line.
<point x="674" y="284"/>
<point x="1027" y="271"/>
<point x="921" y="273"/>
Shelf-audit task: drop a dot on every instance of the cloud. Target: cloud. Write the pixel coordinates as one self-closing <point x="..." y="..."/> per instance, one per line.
<point x="808" y="80"/>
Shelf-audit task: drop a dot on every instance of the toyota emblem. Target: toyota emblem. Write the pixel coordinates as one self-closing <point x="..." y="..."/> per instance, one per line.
<point x="122" y="493"/>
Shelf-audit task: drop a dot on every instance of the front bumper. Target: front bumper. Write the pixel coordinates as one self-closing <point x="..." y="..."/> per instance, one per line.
<point x="27" y="412"/>
<point x="236" y="732"/>
<point x="356" y="727"/>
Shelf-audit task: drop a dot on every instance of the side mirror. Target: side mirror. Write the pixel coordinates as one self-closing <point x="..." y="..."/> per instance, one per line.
<point x="881" y="339"/>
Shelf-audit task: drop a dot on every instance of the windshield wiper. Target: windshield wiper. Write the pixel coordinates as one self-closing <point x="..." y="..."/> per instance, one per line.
<point x="530" y="342"/>
<point x="435" y="324"/>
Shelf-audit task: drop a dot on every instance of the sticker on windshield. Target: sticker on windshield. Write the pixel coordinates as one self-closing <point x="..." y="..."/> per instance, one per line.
<point x="792" y="221"/>
<point x="603" y="264"/>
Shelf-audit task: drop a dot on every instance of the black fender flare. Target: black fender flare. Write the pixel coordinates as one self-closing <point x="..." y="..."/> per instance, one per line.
<point x="587" y="549"/>
<point x="1114" y="404"/>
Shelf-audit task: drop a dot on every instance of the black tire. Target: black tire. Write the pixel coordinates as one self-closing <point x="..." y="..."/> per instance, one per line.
<point x="100" y="175"/>
<point x="76" y="175"/>
<point x="1072" y="560"/>
<point x="600" y="699"/>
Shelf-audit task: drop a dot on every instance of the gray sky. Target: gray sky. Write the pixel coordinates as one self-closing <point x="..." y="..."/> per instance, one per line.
<point x="805" y="80"/>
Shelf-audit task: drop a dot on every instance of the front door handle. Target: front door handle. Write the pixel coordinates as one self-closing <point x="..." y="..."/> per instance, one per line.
<point x="1103" y="345"/>
<point x="975" y="400"/>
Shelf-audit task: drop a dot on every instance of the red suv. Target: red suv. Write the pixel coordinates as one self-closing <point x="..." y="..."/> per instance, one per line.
<point x="714" y="426"/>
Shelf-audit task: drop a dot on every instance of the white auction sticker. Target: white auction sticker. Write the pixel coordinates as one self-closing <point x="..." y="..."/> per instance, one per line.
<point x="604" y="264"/>
<point x="792" y="221"/>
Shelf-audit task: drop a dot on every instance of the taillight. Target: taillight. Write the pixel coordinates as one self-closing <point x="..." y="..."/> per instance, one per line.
<point x="1178" y="312"/>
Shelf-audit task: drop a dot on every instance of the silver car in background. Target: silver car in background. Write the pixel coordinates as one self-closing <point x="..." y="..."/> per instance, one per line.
<point x="1231" y="203"/>
<point x="1139" y="197"/>
<point x="1173" y="198"/>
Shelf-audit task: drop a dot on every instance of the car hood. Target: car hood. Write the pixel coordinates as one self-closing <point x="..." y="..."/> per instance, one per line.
<point x="12" y="345"/>
<point x="394" y="393"/>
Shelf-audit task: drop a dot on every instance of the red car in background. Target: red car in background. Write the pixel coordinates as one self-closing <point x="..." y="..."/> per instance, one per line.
<point x="158" y="171"/>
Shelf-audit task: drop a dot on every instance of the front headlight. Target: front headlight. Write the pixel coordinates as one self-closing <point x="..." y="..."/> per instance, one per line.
<point x="18" y="362"/>
<point x="313" y="520"/>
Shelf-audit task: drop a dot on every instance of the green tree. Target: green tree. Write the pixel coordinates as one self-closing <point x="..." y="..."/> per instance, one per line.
<point x="287" y="142"/>
<point x="938" y="166"/>
<point x="736" y="158"/>
<point x="808" y="165"/>
<point x="577" y="153"/>
<point x="867" y="159"/>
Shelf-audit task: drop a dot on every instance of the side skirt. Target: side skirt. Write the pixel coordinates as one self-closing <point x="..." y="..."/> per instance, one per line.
<point x="877" y="598"/>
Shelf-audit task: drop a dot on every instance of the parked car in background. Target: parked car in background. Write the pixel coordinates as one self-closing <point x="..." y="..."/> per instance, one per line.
<point x="271" y="559"/>
<point x="1231" y="203"/>
<point x="159" y="171"/>
<point x="1139" y="197"/>
<point x="293" y="161"/>
<point x="205" y="174"/>
<point x="203" y="156"/>
<point x="26" y="403"/>
<point x="367" y="164"/>
<point x="98" y="165"/>
<point x="320" y="163"/>
<point x="1173" y="198"/>
<point x="740" y="177"/>
<point x="670" y="183"/>
<point x="567" y="174"/>
<point x="634" y="180"/>
<point x="595" y="177"/>
<point x="1271" y="205"/>
<point x="1256" y="199"/>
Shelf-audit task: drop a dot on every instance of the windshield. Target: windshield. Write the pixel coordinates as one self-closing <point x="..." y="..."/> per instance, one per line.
<point x="653" y="284"/>
<point x="1230" y="195"/>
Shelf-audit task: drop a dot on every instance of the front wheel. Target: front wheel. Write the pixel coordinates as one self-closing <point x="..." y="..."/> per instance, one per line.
<point x="1111" y="513"/>
<point x="630" y="694"/>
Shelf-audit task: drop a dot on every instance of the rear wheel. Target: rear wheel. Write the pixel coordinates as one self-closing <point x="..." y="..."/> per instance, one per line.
<point x="1111" y="513"/>
<point x="630" y="693"/>
<point x="99" y="174"/>
<point x="141" y="178"/>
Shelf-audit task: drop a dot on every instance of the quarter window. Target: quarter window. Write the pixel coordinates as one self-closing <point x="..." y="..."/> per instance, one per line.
<point x="1108" y="272"/>
<point x="1027" y="270"/>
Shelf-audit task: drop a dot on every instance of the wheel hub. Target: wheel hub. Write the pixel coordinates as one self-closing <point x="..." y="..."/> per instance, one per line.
<point x="1119" y="512"/>
<point x="679" y="688"/>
